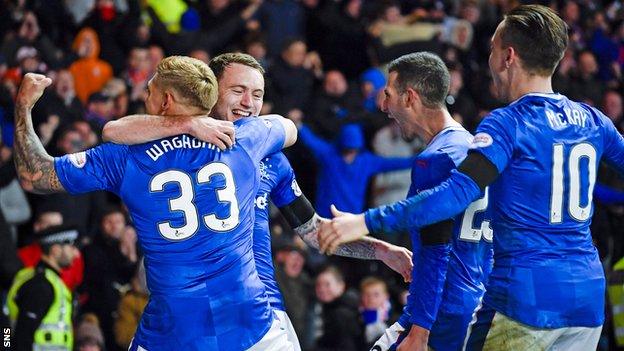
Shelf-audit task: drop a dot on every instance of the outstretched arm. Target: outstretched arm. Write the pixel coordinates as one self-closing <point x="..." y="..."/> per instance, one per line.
<point x="138" y="129"/>
<point x="397" y="258"/>
<point x="35" y="168"/>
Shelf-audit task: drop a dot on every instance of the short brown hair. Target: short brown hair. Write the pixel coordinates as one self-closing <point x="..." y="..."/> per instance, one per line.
<point x="190" y="78"/>
<point x="539" y="36"/>
<point x="219" y="63"/>
<point x="371" y="281"/>
<point x="424" y="72"/>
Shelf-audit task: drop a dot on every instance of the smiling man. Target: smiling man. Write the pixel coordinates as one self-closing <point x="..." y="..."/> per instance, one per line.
<point x="241" y="92"/>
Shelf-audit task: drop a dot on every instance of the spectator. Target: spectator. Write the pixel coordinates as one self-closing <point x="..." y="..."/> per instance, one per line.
<point x="612" y="107"/>
<point x="90" y="73"/>
<point x="108" y="271"/>
<point x="29" y="35"/>
<point x="341" y="328"/>
<point x="100" y="109"/>
<point x="586" y="85"/>
<point x="355" y="165"/>
<point x="290" y="78"/>
<point x="375" y="309"/>
<point x="39" y="303"/>
<point x="131" y="308"/>
<point x="280" y="20"/>
<point x="295" y="285"/>
<point x="459" y="103"/>
<point x="30" y="254"/>
<point x="88" y="334"/>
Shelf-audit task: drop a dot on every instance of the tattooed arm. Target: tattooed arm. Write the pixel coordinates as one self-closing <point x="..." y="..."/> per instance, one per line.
<point x="35" y="168"/>
<point x="397" y="258"/>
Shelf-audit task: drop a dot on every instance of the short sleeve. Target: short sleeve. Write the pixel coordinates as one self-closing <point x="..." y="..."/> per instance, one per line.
<point x="287" y="189"/>
<point x="495" y="139"/>
<point x="99" y="168"/>
<point x="261" y="136"/>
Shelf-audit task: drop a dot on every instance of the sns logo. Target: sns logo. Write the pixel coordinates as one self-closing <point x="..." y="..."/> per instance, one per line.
<point x="481" y="140"/>
<point x="262" y="202"/>
<point x="7" y="337"/>
<point x="264" y="174"/>
<point x="78" y="159"/>
<point x="295" y="188"/>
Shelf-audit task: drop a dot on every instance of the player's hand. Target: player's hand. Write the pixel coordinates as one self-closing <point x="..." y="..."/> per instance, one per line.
<point x="219" y="133"/>
<point x="390" y="337"/>
<point x="346" y="227"/>
<point x="416" y="340"/>
<point x="31" y="89"/>
<point x="399" y="259"/>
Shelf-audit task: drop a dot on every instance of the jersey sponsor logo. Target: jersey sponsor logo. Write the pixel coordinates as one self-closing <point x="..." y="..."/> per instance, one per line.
<point x="78" y="159"/>
<point x="262" y="201"/>
<point x="295" y="188"/>
<point x="481" y="140"/>
<point x="264" y="174"/>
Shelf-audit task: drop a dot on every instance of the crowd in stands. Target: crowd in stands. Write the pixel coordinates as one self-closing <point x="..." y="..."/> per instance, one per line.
<point x="324" y="62"/>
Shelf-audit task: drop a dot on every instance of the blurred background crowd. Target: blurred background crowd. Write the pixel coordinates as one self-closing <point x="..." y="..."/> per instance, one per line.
<point x="324" y="62"/>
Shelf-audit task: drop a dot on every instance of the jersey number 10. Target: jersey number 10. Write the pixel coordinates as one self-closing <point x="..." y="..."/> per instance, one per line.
<point x="576" y="211"/>
<point x="185" y="202"/>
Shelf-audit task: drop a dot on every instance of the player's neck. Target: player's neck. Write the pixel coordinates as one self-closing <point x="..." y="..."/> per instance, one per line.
<point x="527" y="84"/>
<point x="184" y="110"/>
<point x="436" y="121"/>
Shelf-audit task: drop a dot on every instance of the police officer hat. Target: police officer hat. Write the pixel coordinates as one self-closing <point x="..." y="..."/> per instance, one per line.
<point x="60" y="234"/>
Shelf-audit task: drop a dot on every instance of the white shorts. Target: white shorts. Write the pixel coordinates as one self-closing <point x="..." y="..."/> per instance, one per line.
<point x="491" y="330"/>
<point x="276" y="339"/>
<point x="287" y="325"/>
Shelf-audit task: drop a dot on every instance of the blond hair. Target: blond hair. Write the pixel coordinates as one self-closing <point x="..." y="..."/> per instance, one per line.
<point x="191" y="79"/>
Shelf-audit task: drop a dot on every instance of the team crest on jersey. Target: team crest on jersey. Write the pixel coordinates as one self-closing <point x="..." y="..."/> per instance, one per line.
<point x="262" y="201"/>
<point x="78" y="159"/>
<point x="295" y="187"/>
<point x="481" y="140"/>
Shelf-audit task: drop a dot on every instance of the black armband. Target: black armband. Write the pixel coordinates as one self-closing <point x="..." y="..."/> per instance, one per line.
<point x="479" y="168"/>
<point x="437" y="233"/>
<point x="298" y="212"/>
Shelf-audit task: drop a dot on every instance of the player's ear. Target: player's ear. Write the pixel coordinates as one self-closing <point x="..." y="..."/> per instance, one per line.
<point x="167" y="101"/>
<point x="410" y="97"/>
<point x="510" y="56"/>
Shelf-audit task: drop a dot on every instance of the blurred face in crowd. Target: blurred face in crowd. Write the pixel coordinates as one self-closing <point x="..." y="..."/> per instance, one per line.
<point x="104" y="109"/>
<point x="201" y="55"/>
<point x="374" y="296"/>
<point x="64" y="84"/>
<point x="335" y="84"/>
<point x="71" y="142"/>
<point x="241" y="92"/>
<point x="257" y="50"/>
<point x="395" y="105"/>
<point x="293" y="262"/>
<point x="66" y="255"/>
<point x="328" y="287"/>
<point x="156" y="54"/>
<point x="47" y="220"/>
<point x="88" y="136"/>
<point x="139" y="59"/>
<point x="613" y="106"/>
<point x="113" y="225"/>
<point x="295" y="54"/>
<point x="587" y="63"/>
<point x="571" y="12"/>
<point x="218" y="5"/>
<point x="392" y="14"/>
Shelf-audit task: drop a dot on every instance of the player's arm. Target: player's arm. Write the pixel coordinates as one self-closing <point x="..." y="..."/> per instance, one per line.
<point x="614" y="146"/>
<point x="290" y="130"/>
<point x="490" y="153"/>
<point x="306" y="223"/>
<point x="35" y="167"/>
<point x="430" y="266"/>
<point x="388" y="164"/>
<point x="138" y="129"/>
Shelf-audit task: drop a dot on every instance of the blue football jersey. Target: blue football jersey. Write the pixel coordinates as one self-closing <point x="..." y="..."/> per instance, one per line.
<point x="451" y="277"/>
<point x="546" y="272"/>
<point x="277" y="182"/>
<point x="192" y="206"/>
